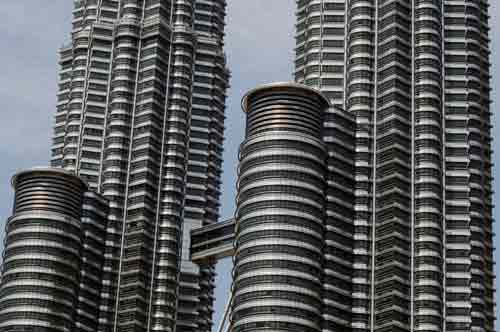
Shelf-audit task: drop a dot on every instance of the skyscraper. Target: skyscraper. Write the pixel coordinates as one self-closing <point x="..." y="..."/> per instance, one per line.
<point x="364" y="196"/>
<point x="140" y="117"/>
<point x="415" y="74"/>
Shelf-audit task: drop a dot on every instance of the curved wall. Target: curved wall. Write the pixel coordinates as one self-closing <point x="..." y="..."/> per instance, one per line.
<point x="280" y="211"/>
<point x="41" y="262"/>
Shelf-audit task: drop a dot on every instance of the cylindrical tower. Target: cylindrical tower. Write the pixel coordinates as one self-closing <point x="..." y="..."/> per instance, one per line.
<point x="280" y="211"/>
<point x="41" y="262"/>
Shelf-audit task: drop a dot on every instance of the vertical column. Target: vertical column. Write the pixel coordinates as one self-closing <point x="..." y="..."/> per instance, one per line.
<point x="75" y="100"/>
<point x="482" y="300"/>
<point x="457" y="236"/>
<point x="309" y="42"/>
<point x="428" y="162"/>
<point x="393" y="161"/>
<point x="280" y="212"/>
<point x="116" y="155"/>
<point x="83" y="94"/>
<point x="94" y="221"/>
<point x="168" y="239"/>
<point x="359" y="101"/>
<point x="92" y="118"/>
<point x="320" y="50"/>
<point x="63" y="96"/>
<point x="144" y="169"/>
<point x="339" y="138"/>
<point x="205" y="162"/>
<point x="86" y="13"/>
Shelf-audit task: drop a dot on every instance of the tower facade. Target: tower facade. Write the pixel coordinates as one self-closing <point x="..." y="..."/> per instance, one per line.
<point x="53" y="254"/>
<point x="140" y="117"/>
<point x="293" y="226"/>
<point x="277" y="279"/>
<point x="415" y="75"/>
<point x="364" y="196"/>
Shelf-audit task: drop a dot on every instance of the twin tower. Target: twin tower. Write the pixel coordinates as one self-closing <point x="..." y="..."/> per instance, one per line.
<point x="364" y="192"/>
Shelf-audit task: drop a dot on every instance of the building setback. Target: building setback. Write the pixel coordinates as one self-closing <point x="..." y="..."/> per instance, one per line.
<point x="140" y="117"/>
<point x="53" y="254"/>
<point x="415" y="74"/>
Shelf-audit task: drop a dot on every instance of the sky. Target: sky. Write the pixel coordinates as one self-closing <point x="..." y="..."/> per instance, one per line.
<point x="259" y="46"/>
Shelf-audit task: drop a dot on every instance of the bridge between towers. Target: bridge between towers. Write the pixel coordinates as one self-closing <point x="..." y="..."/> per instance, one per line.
<point x="213" y="242"/>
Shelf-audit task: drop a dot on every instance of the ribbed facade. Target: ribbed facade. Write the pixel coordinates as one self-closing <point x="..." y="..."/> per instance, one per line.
<point x="280" y="229"/>
<point x="338" y="136"/>
<point x="415" y="75"/>
<point x="94" y="221"/>
<point x="52" y="259"/>
<point x="140" y="117"/>
<point x="204" y="168"/>
<point x="364" y="195"/>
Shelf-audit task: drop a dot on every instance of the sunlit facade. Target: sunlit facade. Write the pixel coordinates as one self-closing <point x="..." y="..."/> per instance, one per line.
<point x="364" y="191"/>
<point x="415" y="74"/>
<point x="140" y="117"/>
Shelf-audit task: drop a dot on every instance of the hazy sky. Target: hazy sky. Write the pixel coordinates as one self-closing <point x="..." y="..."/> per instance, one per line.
<point x="259" y="48"/>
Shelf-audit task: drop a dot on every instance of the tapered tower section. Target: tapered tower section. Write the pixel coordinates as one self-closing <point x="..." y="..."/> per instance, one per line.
<point x="140" y="117"/>
<point x="280" y="211"/>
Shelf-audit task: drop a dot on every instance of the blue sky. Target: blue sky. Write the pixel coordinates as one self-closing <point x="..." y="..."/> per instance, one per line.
<point x="259" y="48"/>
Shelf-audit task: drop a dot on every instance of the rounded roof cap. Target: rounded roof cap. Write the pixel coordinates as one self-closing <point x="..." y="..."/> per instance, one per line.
<point x="281" y="86"/>
<point x="47" y="170"/>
